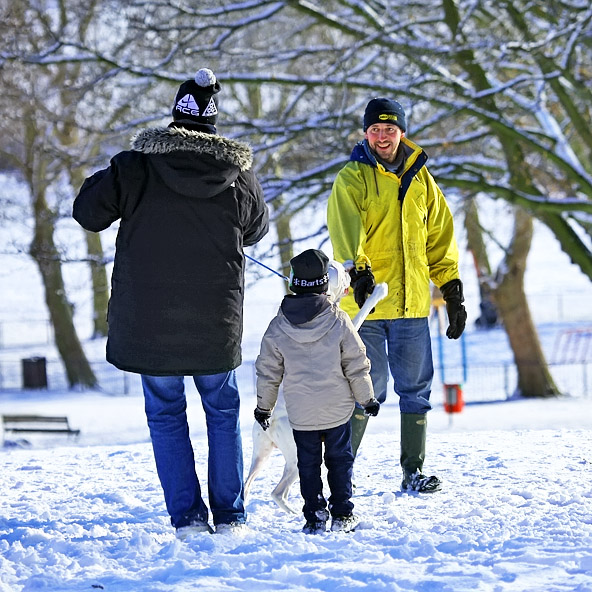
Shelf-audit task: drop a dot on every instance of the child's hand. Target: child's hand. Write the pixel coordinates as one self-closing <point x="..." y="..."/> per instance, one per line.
<point x="372" y="408"/>
<point x="263" y="416"/>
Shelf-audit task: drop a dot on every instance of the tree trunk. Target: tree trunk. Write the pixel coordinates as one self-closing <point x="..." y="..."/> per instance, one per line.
<point x="98" y="273"/>
<point x="534" y="378"/>
<point x="45" y="254"/>
<point x="282" y="217"/>
<point x="476" y="244"/>
<point x="285" y="242"/>
<point x="100" y="283"/>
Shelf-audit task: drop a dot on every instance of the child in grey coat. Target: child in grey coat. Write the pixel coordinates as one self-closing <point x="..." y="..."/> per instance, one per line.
<point x="312" y="347"/>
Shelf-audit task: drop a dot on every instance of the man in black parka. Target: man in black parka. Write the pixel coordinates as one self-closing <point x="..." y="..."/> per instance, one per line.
<point x="188" y="202"/>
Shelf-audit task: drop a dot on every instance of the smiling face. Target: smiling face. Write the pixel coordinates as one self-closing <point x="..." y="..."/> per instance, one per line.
<point x="384" y="138"/>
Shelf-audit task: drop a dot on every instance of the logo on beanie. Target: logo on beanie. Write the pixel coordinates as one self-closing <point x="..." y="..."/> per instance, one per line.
<point x="211" y="109"/>
<point x="302" y="283"/>
<point x="188" y="105"/>
<point x="387" y="116"/>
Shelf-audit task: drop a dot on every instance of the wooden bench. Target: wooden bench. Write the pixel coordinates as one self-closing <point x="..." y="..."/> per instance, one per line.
<point x="37" y="423"/>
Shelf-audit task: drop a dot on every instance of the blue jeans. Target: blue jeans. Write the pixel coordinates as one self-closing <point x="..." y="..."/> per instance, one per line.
<point x="166" y="405"/>
<point x="339" y="461"/>
<point x="404" y="346"/>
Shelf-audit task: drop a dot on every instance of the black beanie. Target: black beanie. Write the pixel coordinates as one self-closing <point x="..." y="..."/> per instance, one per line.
<point x="196" y="100"/>
<point x="310" y="272"/>
<point x="380" y="110"/>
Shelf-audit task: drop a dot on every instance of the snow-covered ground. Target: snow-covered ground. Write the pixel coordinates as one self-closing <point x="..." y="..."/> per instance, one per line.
<point x="515" y="512"/>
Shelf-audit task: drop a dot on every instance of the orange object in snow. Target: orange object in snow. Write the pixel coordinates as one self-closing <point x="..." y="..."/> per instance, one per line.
<point x="453" y="398"/>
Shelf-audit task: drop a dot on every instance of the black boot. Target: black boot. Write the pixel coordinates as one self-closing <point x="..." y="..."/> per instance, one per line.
<point x="359" y="421"/>
<point x="413" y="440"/>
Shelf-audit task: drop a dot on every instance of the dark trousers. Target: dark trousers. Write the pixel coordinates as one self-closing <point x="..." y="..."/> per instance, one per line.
<point x="339" y="461"/>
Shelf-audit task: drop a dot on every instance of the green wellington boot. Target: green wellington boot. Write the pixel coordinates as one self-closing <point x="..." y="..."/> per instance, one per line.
<point x="413" y="441"/>
<point x="359" y="421"/>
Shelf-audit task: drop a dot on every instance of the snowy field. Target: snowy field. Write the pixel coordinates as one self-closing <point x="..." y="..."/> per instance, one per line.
<point x="515" y="512"/>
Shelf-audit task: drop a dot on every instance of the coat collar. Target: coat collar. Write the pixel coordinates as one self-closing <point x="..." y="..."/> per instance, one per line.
<point x="164" y="140"/>
<point x="413" y="154"/>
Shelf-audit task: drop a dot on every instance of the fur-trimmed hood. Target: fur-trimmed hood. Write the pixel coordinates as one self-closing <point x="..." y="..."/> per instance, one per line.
<point x="164" y="140"/>
<point x="193" y="163"/>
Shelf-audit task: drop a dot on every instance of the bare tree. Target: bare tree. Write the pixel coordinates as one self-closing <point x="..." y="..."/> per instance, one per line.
<point x="464" y="71"/>
<point x="534" y="378"/>
<point x="62" y="113"/>
<point x="503" y="108"/>
<point x="35" y="153"/>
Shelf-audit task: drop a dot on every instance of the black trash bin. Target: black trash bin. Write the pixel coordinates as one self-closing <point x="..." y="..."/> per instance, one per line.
<point x="34" y="373"/>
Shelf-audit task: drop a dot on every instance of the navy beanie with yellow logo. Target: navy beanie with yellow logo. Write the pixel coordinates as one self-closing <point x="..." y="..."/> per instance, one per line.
<point x="381" y="110"/>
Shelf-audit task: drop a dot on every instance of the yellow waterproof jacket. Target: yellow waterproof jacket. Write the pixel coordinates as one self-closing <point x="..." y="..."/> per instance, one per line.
<point x="401" y="225"/>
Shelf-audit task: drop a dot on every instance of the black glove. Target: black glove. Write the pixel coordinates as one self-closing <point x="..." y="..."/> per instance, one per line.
<point x="363" y="283"/>
<point x="263" y="416"/>
<point x="452" y="292"/>
<point x="372" y="408"/>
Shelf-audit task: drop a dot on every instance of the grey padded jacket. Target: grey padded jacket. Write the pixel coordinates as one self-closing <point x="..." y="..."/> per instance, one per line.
<point x="322" y="364"/>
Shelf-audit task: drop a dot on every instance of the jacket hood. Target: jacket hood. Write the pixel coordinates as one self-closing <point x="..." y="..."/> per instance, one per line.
<point x="312" y="330"/>
<point x="193" y="163"/>
<point x="164" y="140"/>
<point x="302" y="308"/>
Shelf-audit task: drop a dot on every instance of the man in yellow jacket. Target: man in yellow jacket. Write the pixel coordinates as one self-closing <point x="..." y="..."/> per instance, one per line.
<point x="387" y="215"/>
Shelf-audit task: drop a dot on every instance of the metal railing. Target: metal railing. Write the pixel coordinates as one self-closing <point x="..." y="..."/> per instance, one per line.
<point x="483" y="376"/>
<point x="484" y="382"/>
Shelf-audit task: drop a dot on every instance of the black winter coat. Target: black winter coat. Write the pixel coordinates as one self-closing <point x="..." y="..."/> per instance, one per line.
<point x="188" y="203"/>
